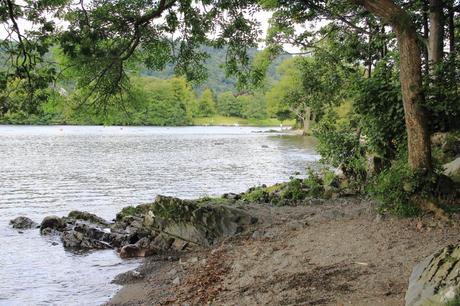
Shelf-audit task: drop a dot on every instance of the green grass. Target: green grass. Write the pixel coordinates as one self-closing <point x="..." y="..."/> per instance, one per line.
<point x="222" y="120"/>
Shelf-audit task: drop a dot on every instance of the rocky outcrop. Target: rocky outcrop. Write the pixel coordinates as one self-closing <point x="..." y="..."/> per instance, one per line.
<point x="166" y="224"/>
<point x="435" y="280"/>
<point x="22" y="223"/>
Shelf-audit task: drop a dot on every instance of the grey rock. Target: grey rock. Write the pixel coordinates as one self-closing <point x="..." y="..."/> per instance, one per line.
<point x="86" y="216"/>
<point x="452" y="168"/>
<point x="51" y="224"/>
<point x="176" y="281"/>
<point x="172" y="272"/>
<point x="436" y="279"/>
<point x="375" y="165"/>
<point x="22" y="223"/>
<point x="294" y="226"/>
<point x="84" y="236"/>
<point x="258" y="234"/>
<point x="129" y="251"/>
<point x="379" y="218"/>
<point x="198" y="224"/>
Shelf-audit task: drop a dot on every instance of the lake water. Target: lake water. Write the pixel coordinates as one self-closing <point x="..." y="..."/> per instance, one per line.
<point x="53" y="170"/>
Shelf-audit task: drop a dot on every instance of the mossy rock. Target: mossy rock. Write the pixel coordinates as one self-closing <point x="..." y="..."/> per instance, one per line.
<point x="86" y="216"/>
<point x="195" y="222"/>
<point x="435" y="280"/>
<point x="128" y="211"/>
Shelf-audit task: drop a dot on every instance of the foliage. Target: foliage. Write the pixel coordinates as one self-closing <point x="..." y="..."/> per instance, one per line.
<point x="443" y="100"/>
<point x="380" y="109"/>
<point x="217" y="79"/>
<point x="307" y="86"/>
<point x="282" y="93"/>
<point x="339" y="146"/>
<point x="151" y="102"/>
<point x="315" y="184"/>
<point x="292" y="192"/>
<point x="163" y="102"/>
<point x="224" y="120"/>
<point x="229" y="105"/>
<point x="25" y="69"/>
<point x="206" y="105"/>
<point x="399" y="189"/>
<point x="253" y="106"/>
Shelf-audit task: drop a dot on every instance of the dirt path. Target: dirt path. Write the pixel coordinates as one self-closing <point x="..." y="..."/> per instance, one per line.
<point x="337" y="252"/>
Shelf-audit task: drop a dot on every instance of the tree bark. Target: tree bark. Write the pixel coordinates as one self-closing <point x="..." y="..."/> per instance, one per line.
<point x="436" y="36"/>
<point x="306" y="120"/>
<point x="410" y="78"/>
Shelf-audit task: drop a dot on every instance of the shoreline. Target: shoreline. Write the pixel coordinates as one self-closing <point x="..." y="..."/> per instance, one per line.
<point x="328" y="252"/>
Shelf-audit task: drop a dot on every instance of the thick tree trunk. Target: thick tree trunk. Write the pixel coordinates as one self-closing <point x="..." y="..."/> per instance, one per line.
<point x="412" y="92"/>
<point x="411" y="80"/>
<point x="436" y="37"/>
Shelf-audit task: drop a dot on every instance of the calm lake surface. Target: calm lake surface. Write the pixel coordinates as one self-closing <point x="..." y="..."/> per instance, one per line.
<point x="55" y="169"/>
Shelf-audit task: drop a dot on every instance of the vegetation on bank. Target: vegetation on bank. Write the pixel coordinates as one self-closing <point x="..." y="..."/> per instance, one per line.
<point x="150" y="101"/>
<point x="237" y="121"/>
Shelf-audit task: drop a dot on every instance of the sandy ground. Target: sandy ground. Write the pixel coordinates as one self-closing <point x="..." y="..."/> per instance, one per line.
<point x="336" y="252"/>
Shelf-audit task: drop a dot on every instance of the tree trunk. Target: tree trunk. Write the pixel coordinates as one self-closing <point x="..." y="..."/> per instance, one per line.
<point x="410" y="78"/>
<point x="436" y="37"/>
<point x="306" y="120"/>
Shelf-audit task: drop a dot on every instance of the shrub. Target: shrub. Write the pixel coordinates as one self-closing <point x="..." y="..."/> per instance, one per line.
<point x="315" y="184"/>
<point x="339" y="146"/>
<point x="294" y="190"/>
<point x="400" y="189"/>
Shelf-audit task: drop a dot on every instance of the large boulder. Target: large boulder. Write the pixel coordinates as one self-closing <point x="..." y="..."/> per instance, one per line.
<point x="435" y="280"/>
<point x="22" y="223"/>
<point x="201" y="224"/>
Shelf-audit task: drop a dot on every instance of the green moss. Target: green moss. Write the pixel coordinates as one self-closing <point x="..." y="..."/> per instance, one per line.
<point x="175" y="209"/>
<point x="132" y="211"/>
<point x="454" y="302"/>
<point x="213" y="200"/>
<point x="86" y="216"/>
<point x="257" y="194"/>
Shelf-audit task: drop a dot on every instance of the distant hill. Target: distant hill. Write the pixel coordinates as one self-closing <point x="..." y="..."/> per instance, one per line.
<point x="217" y="81"/>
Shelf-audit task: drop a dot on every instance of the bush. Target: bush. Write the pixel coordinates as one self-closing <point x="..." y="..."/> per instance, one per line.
<point x="380" y="111"/>
<point x="339" y="146"/>
<point x="294" y="190"/>
<point x="400" y="190"/>
<point x="315" y="183"/>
